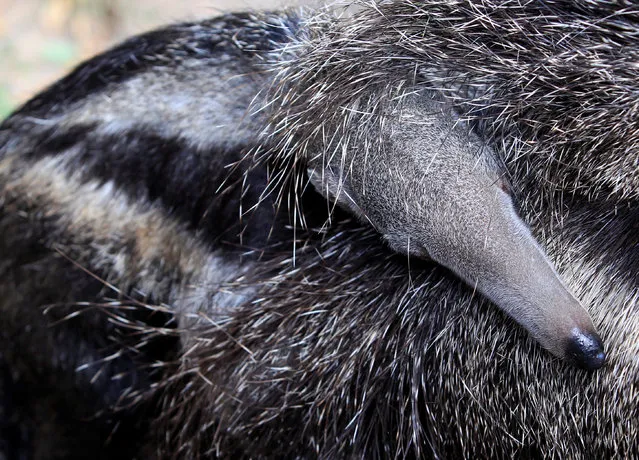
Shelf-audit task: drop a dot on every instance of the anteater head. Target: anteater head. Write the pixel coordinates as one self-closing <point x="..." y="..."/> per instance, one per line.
<point x="433" y="190"/>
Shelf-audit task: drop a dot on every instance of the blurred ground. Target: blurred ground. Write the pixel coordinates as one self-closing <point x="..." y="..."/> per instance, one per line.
<point x="40" y="40"/>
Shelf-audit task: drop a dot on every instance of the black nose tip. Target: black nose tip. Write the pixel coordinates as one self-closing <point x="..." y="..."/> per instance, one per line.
<point x="585" y="350"/>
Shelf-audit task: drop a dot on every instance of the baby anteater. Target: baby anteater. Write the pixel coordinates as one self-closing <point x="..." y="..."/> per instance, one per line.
<point x="433" y="190"/>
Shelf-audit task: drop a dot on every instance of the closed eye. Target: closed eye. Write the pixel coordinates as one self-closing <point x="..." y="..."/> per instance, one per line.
<point x="507" y="188"/>
<point x="504" y="185"/>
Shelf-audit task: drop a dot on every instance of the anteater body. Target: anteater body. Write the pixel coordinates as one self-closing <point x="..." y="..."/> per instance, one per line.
<point x="174" y="285"/>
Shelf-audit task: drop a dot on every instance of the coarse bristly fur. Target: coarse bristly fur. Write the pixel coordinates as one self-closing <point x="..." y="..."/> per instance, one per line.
<point x="174" y="286"/>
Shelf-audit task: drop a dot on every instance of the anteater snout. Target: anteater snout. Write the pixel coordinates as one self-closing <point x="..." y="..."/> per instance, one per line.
<point x="585" y="349"/>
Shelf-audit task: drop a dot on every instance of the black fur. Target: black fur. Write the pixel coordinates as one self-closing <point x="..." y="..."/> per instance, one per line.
<point x="208" y="40"/>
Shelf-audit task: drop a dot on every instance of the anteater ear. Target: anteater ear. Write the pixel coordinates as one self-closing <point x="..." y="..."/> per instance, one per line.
<point x="335" y="186"/>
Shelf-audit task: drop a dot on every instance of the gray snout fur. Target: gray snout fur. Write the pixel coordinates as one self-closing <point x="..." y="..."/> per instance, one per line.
<point x="432" y="189"/>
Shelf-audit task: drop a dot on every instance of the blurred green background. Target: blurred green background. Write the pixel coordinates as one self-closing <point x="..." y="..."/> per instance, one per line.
<point x="40" y="40"/>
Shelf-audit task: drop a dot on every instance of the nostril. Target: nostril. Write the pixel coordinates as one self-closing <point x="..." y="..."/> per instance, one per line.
<point x="585" y="350"/>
